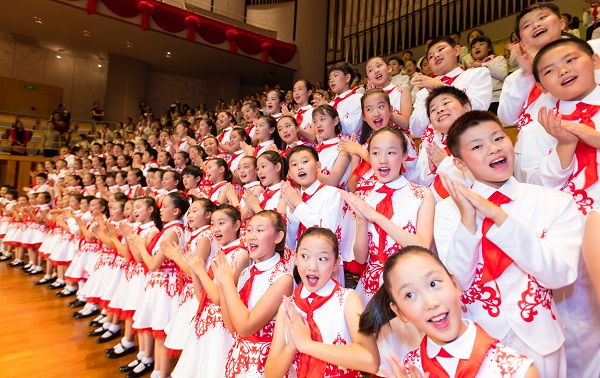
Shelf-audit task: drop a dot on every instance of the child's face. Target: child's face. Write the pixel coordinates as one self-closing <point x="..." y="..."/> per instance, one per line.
<point x="304" y="168"/>
<point x="121" y="161"/>
<point x="406" y="57"/>
<point x="168" y="211"/>
<point x="540" y="27"/>
<point x="263" y="130"/>
<point x="48" y="166"/>
<point x="325" y="125"/>
<point x="444" y="110"/>
<point x="162" y="159"/>
<point x="110" y="181"/>
<point x="473" y="35"/>
<point x="141" y="212"/>
<point x="146" y="157"/>
<point x="315" y="260"/>
<point x="268" y="173"/>
<point x="386" y="155"/>
<point x="137" y="159"/>
<point x="84" y="206"/>
<point x="246" y="171"/>
<point x="210" y="146"/>
<point x="223" y="119"/>
<point x="376" y="111"/>
<point x="197" y="216"/>
<point x="190" y="181"/>
<point x="169" y="182"/>
<point x="410" y="68"/>
<point x="157" y="181"/>
<point x="40" y="181"/>
<point x="261" y="238"/>
<point x="117" y="150"/>
<point x="480" y="50"/>
<point x="180" y="161"/>
<point x="88" y="179"/>
<point x="395" y="67"/>
<point x="234" y="140"/>
<point x="488" y="153"/>
<point x="120" y="180"/>
<point x="152" y="141"/>
<point x="60" y="164"/>
<point x="128" y="212"/>
<point x="338" y="82"/>
<point x="205" y="128"/>
<point x="301" y="93"/>
<point x="214" y="172"/>
<point x="116" y="211"/>
<point x="181" y="130"/>
<point x="378" y="72"/>
<point x="287" y="130"/>
<point x="567" y="72"/>
<point x="426" y="296"/>
<point x="273" y="103"/>
<point x="223" y="228"/>
<point x="442" y="58"/>
<point x="132" y="178"/>
<point x="86" y="164"/>
<point x="96" y="149"/>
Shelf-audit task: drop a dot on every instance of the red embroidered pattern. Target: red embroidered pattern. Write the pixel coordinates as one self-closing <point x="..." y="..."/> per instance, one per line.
<point x="418" y="191"/>
<point x="508" y="361"/>
<point x="249" y="356"/>
<point x="209" y="319"/>
<point x="169" y="281"/>
<point x="485" y="294"/>
<point x="427" y="135"/>
<point x="524" y="120"/>
<point x="534" y="296"/>
<point x="370" y="277"/>
<point x="410" y="228"/>
<point x="584" y="203"/>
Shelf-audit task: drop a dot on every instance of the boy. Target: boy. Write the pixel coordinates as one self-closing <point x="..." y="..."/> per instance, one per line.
<point x="444" y="105"/>
<point x="346" y="101"/>
<point x="192" y="176"/>
<point x="317" y="204"/>
<point x="508" y="244"/>
<point x="483" y="55"/>
<point x="397" y="77"/>
<point x="67" y="156"/>
<point x="442" y="55"/>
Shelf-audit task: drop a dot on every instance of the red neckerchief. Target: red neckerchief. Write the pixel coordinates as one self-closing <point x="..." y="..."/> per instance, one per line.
<point x="267" y="195"/>
<point x="466" y="368"/>
<point x="323" y="146"/>
<point x="233" y="157"/>
<point x="488" y="58"/>
<point x="339" y="99"/>
<point x="249" y="129"/>
<point x="449" y="80"/>
<point x="246" y="290"/>
<point x="386" y="208"/>
<point x="495" y="261"/>
<point x="390" y="90"/>
<point x="309" y="366"/>
<point x="222" y="135"/>
<point x="300" y="116"/>
<point x="585" y="154"/>
<point x="259" y="148"/>
<point x="160" y="234"/>
<point x="305" y="198"/>
<point x="214" y="189"/>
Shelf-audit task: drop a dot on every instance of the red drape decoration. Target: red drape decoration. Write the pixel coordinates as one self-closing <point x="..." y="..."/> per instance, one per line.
<point x="175" y="20"/>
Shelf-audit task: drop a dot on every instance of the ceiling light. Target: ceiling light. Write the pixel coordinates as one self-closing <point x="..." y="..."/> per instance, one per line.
<point x="130" y="44"/>
<point x="37" y="20"/>
<point x="99" y="65"/>
<point x="58" y="57"/>
<point x="168" y="54"/>
<point x="86" y="33"/>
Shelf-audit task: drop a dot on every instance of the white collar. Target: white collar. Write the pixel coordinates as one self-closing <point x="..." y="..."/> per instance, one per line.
<point x="454" y="73"/>
<point x="312" y="188"/>
<point x="263" y="266"/>
<point x="509" y="188"/>
<point x="332" y="140"/>
<point x="460" y="348"/>
<point x="251" y="184"/>
<point x="236" y="241"/>
<point x="306" y="107"/>
<point x="275" y="186"/>
<point x="388" y="87"/>
<point x="567" y="107"/>
<point x="266" y="143"/>
<point x="325" y="291"/>
<point x="398" y="183"/>
<point x="146" y="225"/>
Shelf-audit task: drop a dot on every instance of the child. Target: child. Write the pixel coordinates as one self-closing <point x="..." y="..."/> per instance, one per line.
<point x="163" y="284"/>
<point x="303" y="95"/>
<point x="271" y="169"/>
<point x="444" y="104"/>
<point x="418" y="288"/>
<point x="347" y="100"/>
<point x="250" y="307"/>
<point x="224" y="122"/>
<point x="289" y="133"/>
<point x="333" y="347"/>
<point x="442" y="54"/>
<point x="181" y="160"/>
<point x="218" y="173"/>
<point x="266" y="135"/>
<point x="137" y="183"/>
<point x="205" y="352"/>
<point x="149" y="159"/>
<point x="251" y="187"/>
<point x="192" y="177"/>
<point x="335" y="162"/>
<point x="237" y="137"/>
<point x="164" y="160"/>
<point x="483" y="55"/>
<point x="275" y="104"/>
<point x="250" y="114"/>
<point x="506" y="291"/>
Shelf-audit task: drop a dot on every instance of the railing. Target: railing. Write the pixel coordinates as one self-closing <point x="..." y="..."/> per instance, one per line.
<point x="266" y="2"/>
<point x="360" y="29"/>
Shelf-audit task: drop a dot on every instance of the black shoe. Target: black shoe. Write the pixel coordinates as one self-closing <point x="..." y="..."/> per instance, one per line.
<point x="127" y="368"/>
<point x="5" y="257"/>
<point x="26" y="267"/>
<point x="110" y="353"/>
<point x="14" y="264"/>
<point x="76" y="303"/>
<point x="66" y="293"/>
<point x="147" y="369"/>
<point x="35" y="272"/>
<point x="96" y="324"/>
<point x="79" y="315"/>
<point x="97" y="332"/>
<point x="44" y="281"/>
<point x="112" y="335"/>
<point x="56" y="285"/>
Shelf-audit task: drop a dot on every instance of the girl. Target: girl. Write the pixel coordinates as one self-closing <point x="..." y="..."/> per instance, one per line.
<point x="205" y="352"/>
<point x="121" y="182"/>
<point x="203" y="245"/>
<point x="237" y="137"/>
<point x="250" y="113"/>
<point x="288" y="131"/>
<point x="181" y="160"/>
<point x="418" y="288"/>
<point x="111" y="164"/>
<point x="164" y="160"/>
<point x="163" y="284"/>
<point x="219" y="173"/>
<point x="211" y="146"/>
<point x="145" y="222"/>
<point x="184" y="141"/>
<point x="137" y="162"/>
<point x="224" y="122"/>
<point x="266" y="135"/>
<point x="271" y="170"/>
<point x="335" y="163"/>
<point x="98" y="166"/>
<point x="303" y="96"/>
<point x="205" y="129"/>
<point x="172" y="182"/>
<point x="395" y="214"/>
<point x="16" y="227"/>
<point x="275" y="103"/>
<point x="328" y="342"/>
<point x="249" y="179"/>
<point x="37" y="231"/>
<point x="137" y="182"/>
<point x="149" y="159"/>
<point x="123" y="162"/>
<point x="89" y="185"/>
<point x="250" y="307"/>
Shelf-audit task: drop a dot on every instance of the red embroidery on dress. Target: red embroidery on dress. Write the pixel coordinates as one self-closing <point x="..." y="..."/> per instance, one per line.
<point x="410" y="228"/>
<point x="325" y="171"/>
<point x="534" y="296"/>
<point x="427" y="135"/>
<point x="508" y="361"/>
<point x="584" y="203"/>
<point x="249" y="356"/>
<point x="370" y="277"/>
<point x="485" y="294"/>
<point x="209" y="319"/>
<point x="524" y="120"/>
<point x="418" y="191"/>
<point x="544" y="232"/>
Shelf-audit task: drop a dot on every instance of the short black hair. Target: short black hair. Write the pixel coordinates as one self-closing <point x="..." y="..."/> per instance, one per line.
<point x="464" y="123"/>
<point x="345" y="67"/>
<point x="397" y="59"/>
<point x="580" y="43"/>
<point x="481" y="38"/>
<point x="301" y="148"/>
<point x="449" y="90"/>
<point x="535" y="6"/>
<point x="444" y="38"/>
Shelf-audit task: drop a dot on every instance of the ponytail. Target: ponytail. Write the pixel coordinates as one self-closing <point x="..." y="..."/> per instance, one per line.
<point x="377" y="314"/>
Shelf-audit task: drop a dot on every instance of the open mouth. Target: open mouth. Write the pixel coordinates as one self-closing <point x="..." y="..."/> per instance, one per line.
<point x="538" y="32"/>
<point x="378" y="122"/>
<point x="499" y="163"/>
<point x="218" y="237"/>
<point x="378" y="77"/>
<point x="384" y="171"/>
<point x="312" y="280"/>
<point x="301" y="175"/>
<point x="439" y="321"/>
<point x="252" y="247"/>
<point x="568" y="81"/>
<point x="443" y="117"/>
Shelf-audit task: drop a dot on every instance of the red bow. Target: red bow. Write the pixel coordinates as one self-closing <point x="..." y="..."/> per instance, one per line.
<point x="495" y="261"/>
<point x="449" y="80"/>
<point x="386" y="208"/>
<point x="339" y="99"/>
<point x="305" y="198"/>
<point x="300" y="116"/>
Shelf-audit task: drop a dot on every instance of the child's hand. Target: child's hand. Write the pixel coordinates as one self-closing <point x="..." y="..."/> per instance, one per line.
<point x="457" y="192"/>
<point x="485" y="208"/>
<point x="524" y="54"/>
<point x="296" y="326"/>
<point x="424" y="81"/>
<point x="399" y="371"/>
<point x="586" y="134"/>
<point x="195" y="262"/>
<point x="552" y="122"/>
<point x="351" y="146"/>
<point x="319" y="100"/>
<point x="230" y="192"/>
<point x="112" y="231"/>
<point x="284" y="110"/>
<point x="291" y="195"/>
<point x="370" y="85"/>
<point x="221" y="269"/>
<point x="248" y="149"/>
<point x="223" y="196"/>
<point x="435" y="154"/>
<point x="251" y="199"/>
<point x="476" y="64"/>
<point x="361" y="209"/>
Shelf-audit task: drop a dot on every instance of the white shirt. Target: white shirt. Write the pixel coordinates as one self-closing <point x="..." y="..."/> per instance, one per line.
<point x="350" y="112"/>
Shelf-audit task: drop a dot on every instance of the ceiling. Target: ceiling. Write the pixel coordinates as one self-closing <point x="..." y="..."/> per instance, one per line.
<point x="63" y="29"/>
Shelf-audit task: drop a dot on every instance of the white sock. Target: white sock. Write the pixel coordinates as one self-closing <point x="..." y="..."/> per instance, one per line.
<point x="103" y="312"/>
<point x="134" y="363"/>
<point x="155" y="374"/>
<point x="47" y="276"/>
<point x="60" y="281"/>
<point x="71" y="288"/>
<point x="127" y="344"/>
<point x="147" y="360"/>
<point x="102" y="320"/>
<point x="140" y="367"/>
<point x="140" y="355"/>
<point x="97" y="318"/>
<point x="114" y="328"/>
<point x="105" y="326"/>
